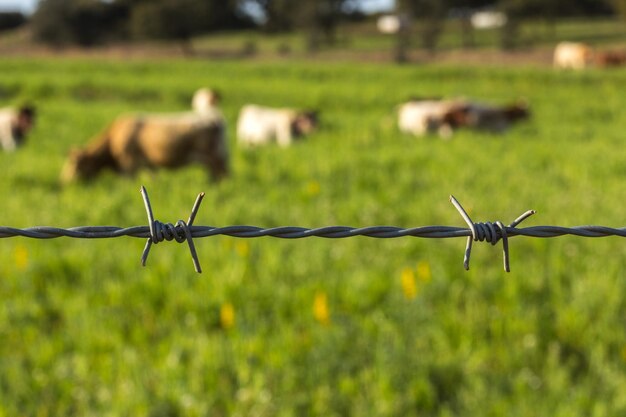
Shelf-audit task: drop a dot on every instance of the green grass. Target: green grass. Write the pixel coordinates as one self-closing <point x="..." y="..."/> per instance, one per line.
<point x="86" y="330"/>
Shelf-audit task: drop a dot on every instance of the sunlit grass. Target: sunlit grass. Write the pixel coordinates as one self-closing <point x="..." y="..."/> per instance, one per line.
<point x="355" y="326"/>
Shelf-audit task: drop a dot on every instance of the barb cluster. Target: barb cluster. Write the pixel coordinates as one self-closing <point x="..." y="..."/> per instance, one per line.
<point x="488" y="231"/>
<point x="180" y="232"/>
<point x="183" y="231"/>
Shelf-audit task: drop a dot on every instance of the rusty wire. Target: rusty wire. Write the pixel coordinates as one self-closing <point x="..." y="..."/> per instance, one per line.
<point x="183" y="231"/>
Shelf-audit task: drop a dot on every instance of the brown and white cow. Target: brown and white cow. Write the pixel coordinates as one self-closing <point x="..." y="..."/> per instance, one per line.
<point x="605" y="59"/>
<point x="419" y="117"/>
<point x="422" y="116"/>
<point x="154" y="141"/>
<point x="15" y="125"/>
<point x="257" y="125"/>
<point x="572" y="55"/>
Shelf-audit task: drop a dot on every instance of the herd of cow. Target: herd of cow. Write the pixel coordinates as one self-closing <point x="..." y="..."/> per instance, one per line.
<point x="171" y="140"/>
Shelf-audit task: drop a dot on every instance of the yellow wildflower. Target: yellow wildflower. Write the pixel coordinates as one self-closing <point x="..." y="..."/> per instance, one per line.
<point x="21" y="257"/>
<point x="313" y="188"/>
<point x="320" y="308"/>
<point x="242" y="248"/>
<point x="409" y="286"/>
<point x="227" y="316"/>
<point x="423" y="271"/>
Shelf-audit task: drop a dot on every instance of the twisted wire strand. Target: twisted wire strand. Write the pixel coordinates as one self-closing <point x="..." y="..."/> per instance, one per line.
<point x="293" y="232"/>
<point x="182" y="231"/>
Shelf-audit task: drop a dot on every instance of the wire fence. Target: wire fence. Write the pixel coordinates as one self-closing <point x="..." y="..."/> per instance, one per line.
<point x="183" y="231"/>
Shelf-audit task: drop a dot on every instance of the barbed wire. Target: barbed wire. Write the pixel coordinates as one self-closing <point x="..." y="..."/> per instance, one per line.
<point x="183" y="231"/>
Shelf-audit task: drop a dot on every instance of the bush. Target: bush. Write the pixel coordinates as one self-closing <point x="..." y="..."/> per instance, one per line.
<point x="86" y="23"/>
<point x="11" y="20"/>
<point x="168" y="19"/>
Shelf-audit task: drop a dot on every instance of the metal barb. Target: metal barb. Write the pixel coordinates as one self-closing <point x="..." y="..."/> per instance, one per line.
<point x="180" y="232"/>
<point x="491" y="232"/>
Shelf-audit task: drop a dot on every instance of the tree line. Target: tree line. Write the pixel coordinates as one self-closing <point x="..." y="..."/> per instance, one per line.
<point x="92" y="22"/>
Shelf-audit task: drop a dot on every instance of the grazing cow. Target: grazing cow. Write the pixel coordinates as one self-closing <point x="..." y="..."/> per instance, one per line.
<point x="488" y="19"/>
<point x="485" y="117"/>
<point x="15" y="125"/>
<point x="392" y="24"/>
<point x="258" y="125"/>
<point x="205" y="100"/>
<point x="610" y="58"/>
<point x="571" y="55"/>
<point x="421" y="116"/>
<point x="154" y="141"/>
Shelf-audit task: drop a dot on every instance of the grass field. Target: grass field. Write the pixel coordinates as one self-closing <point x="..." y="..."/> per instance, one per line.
<point x="363" y="41"/>
<point x="318" y="327"/>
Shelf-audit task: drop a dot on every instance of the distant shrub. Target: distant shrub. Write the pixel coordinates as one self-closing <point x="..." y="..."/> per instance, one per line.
<point x="86" y="23"/>
<point x="11" y="20"/>
<point x="91" y="22"/>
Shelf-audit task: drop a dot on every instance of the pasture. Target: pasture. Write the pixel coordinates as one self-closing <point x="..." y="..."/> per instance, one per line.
<point x="356" y="326"/>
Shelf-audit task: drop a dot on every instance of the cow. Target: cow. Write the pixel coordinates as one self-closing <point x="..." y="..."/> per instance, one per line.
<point x="259" y="125"/>
<point x="610" y="58"/>
<point x="15" y="125"/>
<point x="495" y="119"/>
<point x="205" y="100"/>
<point x="132" y="142"/>
<point x="572" y="55"/>
<point x="420" y="116"/>
<point x="392" y="24"/>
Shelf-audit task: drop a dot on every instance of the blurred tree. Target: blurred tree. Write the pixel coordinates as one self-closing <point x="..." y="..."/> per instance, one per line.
<point x="11" y="20"/>
<point x="181" y="19"/>
<point x="620" y="7"/>
<point x="462" y="11"/>
<point x="514" y="10"/>
<point x="50" y="22"/>
<point x="169" y="19"/>
<point x="88" y="22"/>
<point x="83" y="22"/>
<point x="277" y="15"/>
<point x="429" y="16"/>
<point x="551" y="10"/>
<point x="319" y="18"/>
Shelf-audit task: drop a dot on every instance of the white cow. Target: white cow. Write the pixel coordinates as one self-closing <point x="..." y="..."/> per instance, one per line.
<point x="488" y="19"/>
<point x="572" y="55"/>
<point x="259" y="125"/>
<point x="392" y="24"/>
<point x="15" y="125"/>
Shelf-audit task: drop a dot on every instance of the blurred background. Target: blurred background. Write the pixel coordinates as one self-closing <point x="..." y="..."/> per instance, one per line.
<point x="372" y="29"/>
